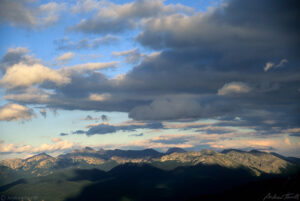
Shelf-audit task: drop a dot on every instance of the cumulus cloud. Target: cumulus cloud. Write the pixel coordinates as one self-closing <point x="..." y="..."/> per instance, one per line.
<point x="23" y="75"/>
<point x="56" y="146"/>
<point x="201" y="54"/>
<point x="57" y="139"/>
<point x="234" y="88"/>
<point x="65" y="57"/>
<point x="115" y="18"/>
<point x="15" y="112"/>
<point x="87" y="43"/>
<point x="25" y="14"/>
<point x="15" y="56"/>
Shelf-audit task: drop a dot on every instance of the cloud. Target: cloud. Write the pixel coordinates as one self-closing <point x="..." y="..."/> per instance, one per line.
<point x="56" y="146"/>
<point x="132" y="56"/>
<point x="234" y="88"/>
<point x="15" y="56"/>
<point x="222" y="49"/>
<point x="84" y="6"/>
<point x="43" y="112"/>
<point x="67" y="44"/>
<point x="83" y="68"/>
<point x="78" y="132"/>
<point x="105" y="128"/>
<point x="29" y="95"/>
<point x="270" y="65"/>
<point x="166" y="108"/>
<point x="137" y="135"/>
<point x="63" y="134"/>
<point x="295" y="134"/>
<point x="23" y="75"/>
<point x="15" y="112"/>
<point x="114" y="18"/>
<point x="26" y="14"/>
<point x="57" y="139"/>
<point x="215" y="130"/>
<point x="65" y="57"/>
<point x="104" y="118"/>
<point x="99" y="97"/>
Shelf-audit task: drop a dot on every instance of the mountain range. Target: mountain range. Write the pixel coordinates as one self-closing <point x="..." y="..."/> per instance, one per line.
<point x="163" y="173"/>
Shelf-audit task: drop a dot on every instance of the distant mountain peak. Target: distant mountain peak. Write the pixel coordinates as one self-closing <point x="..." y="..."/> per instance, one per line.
<point x="39" y="157"/>
<point x="88" y="148"/>
<point x="85" y="149"/>
<point x="175" y="150"/>
<point x="234" y="150"/>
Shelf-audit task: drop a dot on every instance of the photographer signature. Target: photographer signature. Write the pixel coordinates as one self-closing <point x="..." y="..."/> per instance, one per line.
<point x="287" y="196"/>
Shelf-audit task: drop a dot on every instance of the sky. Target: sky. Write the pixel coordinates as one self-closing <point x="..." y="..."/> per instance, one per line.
<point x="149" y="74"/>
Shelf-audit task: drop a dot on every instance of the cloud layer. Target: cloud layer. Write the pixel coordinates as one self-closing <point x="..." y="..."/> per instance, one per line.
<point x="230" y="63"/>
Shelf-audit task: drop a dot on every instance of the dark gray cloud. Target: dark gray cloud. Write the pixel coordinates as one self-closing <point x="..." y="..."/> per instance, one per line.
<point x="15" y="56"/>
<point x="137" y="135"/>
<point x="239" y="27"/>
<point x="102" y="129"/>
<point x="16" y="12"/>
<point x="104" y="118"/>
<point x="131" y="56"/>
<point x="67" y="44"/>
<point x="295" y="134"/>
<point x="171" y="141"/>
<point x="213" y="131"/>
<point x="25" y="13"/>
<point x="63" y="134"/>
<point x="43" y="112"/>
<point x="211" y="65"/>
<point x="78" y="132"/>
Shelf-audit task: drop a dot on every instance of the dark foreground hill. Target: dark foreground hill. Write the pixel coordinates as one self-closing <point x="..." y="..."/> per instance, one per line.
<point x="150" y="175"/>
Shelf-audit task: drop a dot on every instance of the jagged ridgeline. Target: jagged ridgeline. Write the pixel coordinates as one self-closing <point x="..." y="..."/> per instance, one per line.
<point x="141" y="174"/>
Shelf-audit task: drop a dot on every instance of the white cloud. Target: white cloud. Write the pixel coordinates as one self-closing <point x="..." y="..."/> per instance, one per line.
<point x="270" y="65"/>
<point x="56" y="146"/>
<point x="23" y="75"/>
<point x="234" y="88"/>
<point x="50" y="12"/>
<point x="65" y="57"/>
<point x="112" y="17"/>
<point x="15" y="112"/>
<point x="56" y="139"/>
<point x="81" y="68"/>
<point x="84" y="6"/>
<point x="99" y="97"/>
<point x="30" y="95"/>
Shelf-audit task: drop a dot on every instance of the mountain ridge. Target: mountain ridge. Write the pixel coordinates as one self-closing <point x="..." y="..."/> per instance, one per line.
<point x="259" y="162"/>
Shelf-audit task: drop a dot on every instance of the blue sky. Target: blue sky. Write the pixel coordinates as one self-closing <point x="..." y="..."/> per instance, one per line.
<point x="148" y="74"/>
